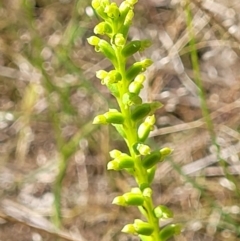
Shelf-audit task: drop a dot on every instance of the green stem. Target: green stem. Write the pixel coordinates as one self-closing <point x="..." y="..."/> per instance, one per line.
<point x="205" y="111"/>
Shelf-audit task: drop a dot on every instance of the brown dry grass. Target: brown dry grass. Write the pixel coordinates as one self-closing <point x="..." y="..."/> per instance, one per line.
<point x="49" y="95"/>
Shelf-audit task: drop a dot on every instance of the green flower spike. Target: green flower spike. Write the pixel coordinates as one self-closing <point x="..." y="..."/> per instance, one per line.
<point x="132" y="119"/>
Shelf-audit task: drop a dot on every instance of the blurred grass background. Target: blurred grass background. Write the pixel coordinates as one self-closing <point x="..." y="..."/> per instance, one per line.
<point x="53" y="160"/>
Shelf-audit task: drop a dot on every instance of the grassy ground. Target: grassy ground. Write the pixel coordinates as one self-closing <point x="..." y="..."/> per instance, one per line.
<point x="53" y="160"/>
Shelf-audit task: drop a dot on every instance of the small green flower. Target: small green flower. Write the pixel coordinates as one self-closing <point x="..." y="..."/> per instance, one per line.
<point x="129" y="228"/>
<point x="151" y="174"/>
<point x="119" y="40"/>
<point x="166" y="151"/>
<point x="136" y="86"/>
<point x="163" y="212"/>
<point x="103" y="28"/>
<point x="93" y="40"/>
<point x="143" y="149"/>
<point x="112" y="11"/>
<point x="131" y="99"/>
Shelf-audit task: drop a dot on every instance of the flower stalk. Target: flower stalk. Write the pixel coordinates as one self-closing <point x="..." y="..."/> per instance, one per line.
<point x="133" y="120"/>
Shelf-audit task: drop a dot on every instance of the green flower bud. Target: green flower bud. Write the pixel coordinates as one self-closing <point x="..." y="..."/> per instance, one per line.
<point x="96" y="3"/>
<point x="99" y="6"/>
<point x="115" y="153"/>
<point x="134" y="70"/>
<point x="131" y="48"/>
<point x="106" y="48"/>
<point x="150" y="120"/>
<point x="145" y="44"/>
<point x="100" y="119"/>
<point x="145" y="128"/>
<point x="112" y="77"/>
<point x="145" y="109"/>
<point x="134" y="199"/>
<point x="151" y="159"/>
<point x="129" y="228"/>
<point x="136" y="190"/>
<point x="137" y="84"/>
<point x="113" y="165"/>
<point x="124" y="8"/>
<point x="131" y="99"/>
<point x="103" y="28"/>
<point x="162" y="212"/>
<point x="129" y="198"/>
<point x="125" y="161"/>
<point x="120" y="200"/>
<point x="129" y="17"/>
<point x="166" y="151"/>
<point x="169" y="231"/>
<point x="112" y="10"/>
<point x="114" y="117"/>
<point x="147" y="192"/>
<point x="151" y="174"/>
<point x="143" y="228"/>
<point x="93" y="40"/>
<point x="101" y="74"/>
<point x="119" y="40"/>
<point x="143" y="131"/>
<point x="137" y="68"/>
<point x="140" y="111"/>
<point x="146" y="63"/>
<point x="143" y="149"/>
<point x="100" y="3"/>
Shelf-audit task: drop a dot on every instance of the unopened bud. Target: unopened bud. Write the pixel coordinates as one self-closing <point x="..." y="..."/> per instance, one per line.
<point x="163" y="212"/>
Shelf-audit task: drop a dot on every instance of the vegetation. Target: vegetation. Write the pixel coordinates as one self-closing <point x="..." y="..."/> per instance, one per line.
<point x="53" y="160"/>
